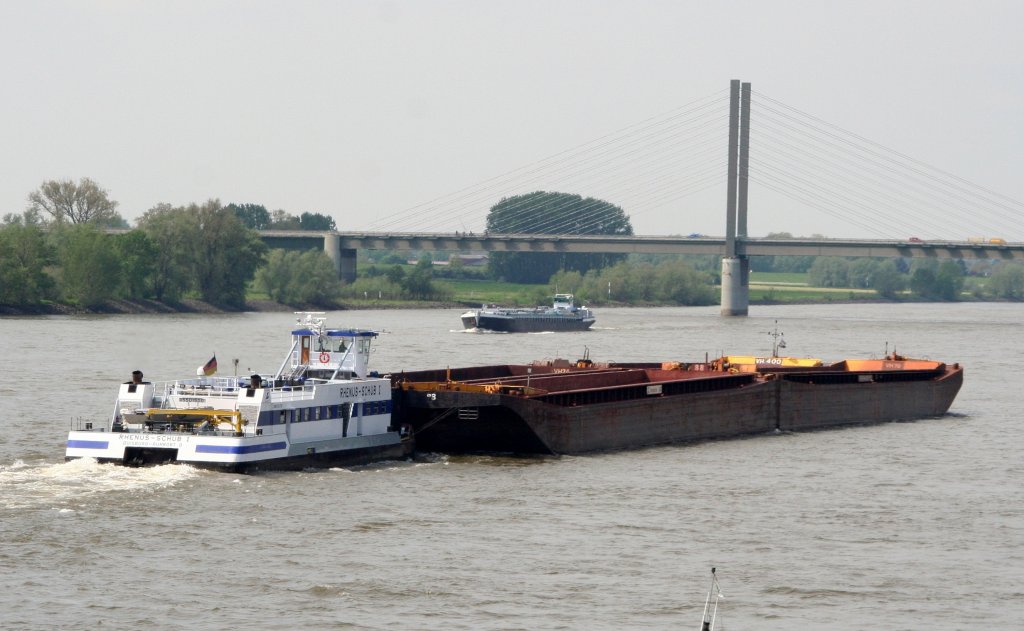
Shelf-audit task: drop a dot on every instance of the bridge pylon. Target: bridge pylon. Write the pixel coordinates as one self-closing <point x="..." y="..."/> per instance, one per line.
<point x="735" y="298"/>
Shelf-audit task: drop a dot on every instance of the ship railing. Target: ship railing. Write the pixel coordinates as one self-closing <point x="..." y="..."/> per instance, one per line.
<point x="204" y="386"/>
<point x="292" y="393"/>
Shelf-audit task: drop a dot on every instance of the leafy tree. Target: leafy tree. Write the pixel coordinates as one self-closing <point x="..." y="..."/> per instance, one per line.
<point x="552" y="213"/>
<point x="68" y="202"/>
<point x="138" y="254"/>
<point x="861" y="271"/>
<point x="672" y="281"/>
<point x="202" y="247"/>
<point x="934" y="281"/>
<point x="24" y="256"/>
<point x="297" y="278"/>
<point x="886" y="279"/>
<point x="30" y="217"/>
<point x="174" y="231"/>
<point x="922" y="283"/>
<point x="418" y="283"/>
<point x="226" y="254"/>
<point x="395" y="274"/>
<point x="950" y="280"/>
<point x="681" y="284"/>
<point x="90" y="267"/>
<point x="1007" y="281"/>
<point x="281" y="220"/>
<point x="316" y="221"/>
<point x="830" y="271"/>
<point x="276" y="275"/>
<point x="254" y="216"/>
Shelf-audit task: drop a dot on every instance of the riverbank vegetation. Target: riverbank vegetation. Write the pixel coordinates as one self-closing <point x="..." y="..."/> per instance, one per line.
<point x="60" y="255"/>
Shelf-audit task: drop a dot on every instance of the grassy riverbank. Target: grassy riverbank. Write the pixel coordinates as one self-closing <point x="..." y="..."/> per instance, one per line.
<point x="765" y="288"/>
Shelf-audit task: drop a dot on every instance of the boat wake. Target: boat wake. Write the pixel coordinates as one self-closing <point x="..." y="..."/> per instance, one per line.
<point x="478" y="331"/>
<point x="67" y="485"/>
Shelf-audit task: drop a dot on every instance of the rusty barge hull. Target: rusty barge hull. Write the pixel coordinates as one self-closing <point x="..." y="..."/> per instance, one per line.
<point x="542" y="409"/>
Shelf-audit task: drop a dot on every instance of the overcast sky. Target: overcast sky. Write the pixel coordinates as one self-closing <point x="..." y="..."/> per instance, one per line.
<point x="361" y="109"/>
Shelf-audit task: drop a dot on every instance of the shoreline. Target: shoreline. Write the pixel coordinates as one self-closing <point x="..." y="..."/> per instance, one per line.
<point x="141" y="307"/>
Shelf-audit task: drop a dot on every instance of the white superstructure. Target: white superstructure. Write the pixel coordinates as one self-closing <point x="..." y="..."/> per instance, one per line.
<point x="320" y="408"/>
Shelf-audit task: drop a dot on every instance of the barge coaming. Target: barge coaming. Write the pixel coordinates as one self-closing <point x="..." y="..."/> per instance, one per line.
<point x="544" y="409"/>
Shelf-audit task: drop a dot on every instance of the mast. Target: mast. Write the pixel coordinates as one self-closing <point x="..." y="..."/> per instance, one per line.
<point x="711" y="608"/>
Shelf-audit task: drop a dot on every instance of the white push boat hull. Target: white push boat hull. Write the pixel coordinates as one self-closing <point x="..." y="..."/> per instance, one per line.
<point x="230" y="453"/>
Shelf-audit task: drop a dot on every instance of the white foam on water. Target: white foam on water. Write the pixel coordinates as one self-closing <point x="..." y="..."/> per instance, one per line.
<point x="23" y="485"/>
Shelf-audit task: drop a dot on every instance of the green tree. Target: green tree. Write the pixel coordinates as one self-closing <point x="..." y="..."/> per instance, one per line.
<point x="418" y="283"/>
<point x="830" y="271"/>
<point x="276" y="275"/>
<point x="1007" y="281"/>
<point x="227" y="254"/>
<point x="254" y="216"/>
<point x="949" y="280"/>
<point x="886" y="280"/>
<point x="671" y="281"/>
<point x="138" y="254"/>
<point x="552" y="213"/>
<point x="174" y="232"/>
<point x="933" y="281"/>
<point x="90" y="268"/>
<point x="24" y="257"/>
<point x="922" y="283"/>
<point x="281" y="220"/>
<point x="861" y="271"/>
<point x="395" y="274"/>
<point x="298" y="278"/>
<point x="679" y="283"/>
<point x="67" y="202"/>
<point x="202" y="247"/>
<point x="316" y="221"/>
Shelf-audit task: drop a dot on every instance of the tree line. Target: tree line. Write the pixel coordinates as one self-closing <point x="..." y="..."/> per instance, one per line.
<point x="60" y="249"/>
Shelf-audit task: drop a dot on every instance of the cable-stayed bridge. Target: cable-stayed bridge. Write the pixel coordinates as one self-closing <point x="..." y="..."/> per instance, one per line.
<point x="682" y="164"/>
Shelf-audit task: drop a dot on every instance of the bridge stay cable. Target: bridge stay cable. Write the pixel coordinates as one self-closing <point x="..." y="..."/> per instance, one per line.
<point x="872" y="196"/>
<point x="873" y="157"/>
<point x="577" y="173"/>
<point x="667" y="158"/>
<point x="562" y="156"/>
<point x="609" y="171"/>
<point x="939" y="198"/>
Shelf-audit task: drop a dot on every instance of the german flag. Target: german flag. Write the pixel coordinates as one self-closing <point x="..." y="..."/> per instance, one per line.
<point x="208" y="368"/>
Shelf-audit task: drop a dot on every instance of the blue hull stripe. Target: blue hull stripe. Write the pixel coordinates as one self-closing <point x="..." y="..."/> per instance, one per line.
<point x="88" y="444"/>
<point x="239" y="449"/>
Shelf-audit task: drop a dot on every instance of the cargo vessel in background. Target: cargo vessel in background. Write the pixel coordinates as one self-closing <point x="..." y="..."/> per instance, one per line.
<point x="321" y="408"/>
<point x="562" y="407"/>
<point x="563" y="315"/>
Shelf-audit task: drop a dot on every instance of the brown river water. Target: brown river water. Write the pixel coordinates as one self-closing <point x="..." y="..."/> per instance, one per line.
<point x="915" y="525"/>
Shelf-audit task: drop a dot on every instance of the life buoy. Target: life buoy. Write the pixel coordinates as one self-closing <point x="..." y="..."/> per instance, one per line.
<point x="324" y="358"/>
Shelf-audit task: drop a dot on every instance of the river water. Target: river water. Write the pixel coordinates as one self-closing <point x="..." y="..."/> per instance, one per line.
<point x="896" y="526"/>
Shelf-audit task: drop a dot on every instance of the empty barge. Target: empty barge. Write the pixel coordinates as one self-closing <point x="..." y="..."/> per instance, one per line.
<point x="561" y="407"/>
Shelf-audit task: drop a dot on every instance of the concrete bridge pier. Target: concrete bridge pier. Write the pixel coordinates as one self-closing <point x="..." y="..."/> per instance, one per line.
<point x="344" y="259"/>
<point x="735" y="266"/>
<point x="735" y="286"/>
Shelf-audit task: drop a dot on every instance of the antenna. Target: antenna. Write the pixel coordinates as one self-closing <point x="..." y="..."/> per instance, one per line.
<point x="711" y="608"/>
<point x="777" y="340"/>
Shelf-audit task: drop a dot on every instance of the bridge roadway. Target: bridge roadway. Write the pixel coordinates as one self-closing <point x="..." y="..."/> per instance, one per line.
<point x="342" y="246"/>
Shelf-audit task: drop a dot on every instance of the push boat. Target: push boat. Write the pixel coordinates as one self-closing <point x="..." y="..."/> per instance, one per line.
<point x="563" y="407"/>
<point x="562" y="315"/>
<point x="320" y="408"/>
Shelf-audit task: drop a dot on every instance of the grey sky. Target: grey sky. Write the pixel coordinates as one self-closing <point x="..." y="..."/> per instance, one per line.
<point x="364" y="109"/>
